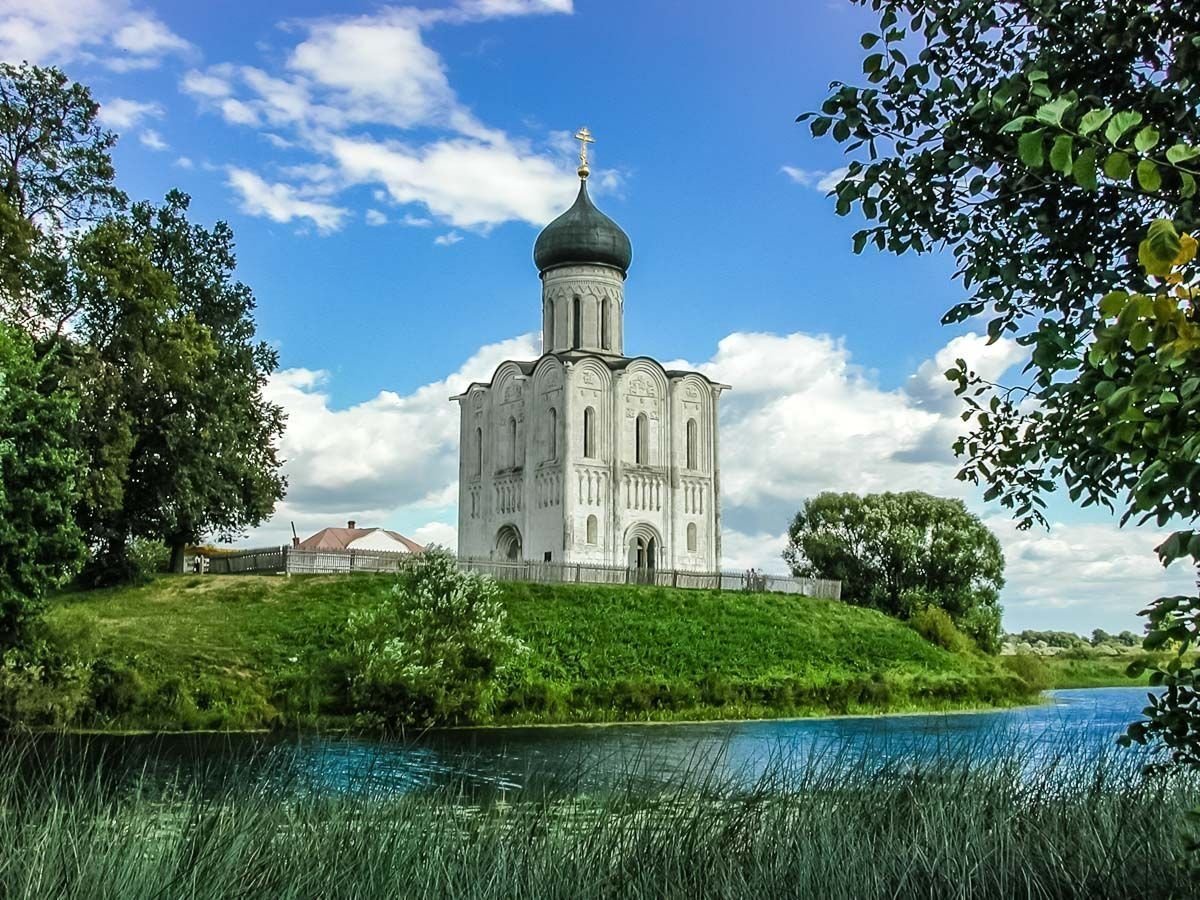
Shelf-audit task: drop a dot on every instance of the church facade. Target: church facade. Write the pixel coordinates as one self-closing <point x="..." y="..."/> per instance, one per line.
<point x="586" y="455"/>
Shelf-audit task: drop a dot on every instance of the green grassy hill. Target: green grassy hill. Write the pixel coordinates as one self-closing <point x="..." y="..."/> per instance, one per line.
<point x="254" y="651"/>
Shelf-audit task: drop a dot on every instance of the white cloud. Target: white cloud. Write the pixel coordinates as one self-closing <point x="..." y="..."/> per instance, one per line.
<point x="282" y="202"/>
<point x="462" y="182"/>
<point x="823" y="180"/>
<point x="350" y="84"/>
<point x="122" y="113"/>
<point x="1093" y="573"/>
<point x="375" y="217"/>
<point x="802" y="418"/>
<point x="114" y="33"/>
<point x="152" y="140"/>
<point x="449" y="239"/>
<point x="185" y="162"/>
<point x="376" y="459"/>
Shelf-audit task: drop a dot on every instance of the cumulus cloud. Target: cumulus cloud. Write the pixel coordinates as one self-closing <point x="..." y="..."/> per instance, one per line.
<point x="803" y="417"/>
<point x="375" y="459"/>
<point x="368" y="95"/>
<point x="282" y="202"/>
<point x="123" y="113"/>
<point x="152" y="140"/>
<point x="114" y="33"/>
<point x="375" y="217"/>
<point x="823" y="180"/>
<point x="449" y="239"/>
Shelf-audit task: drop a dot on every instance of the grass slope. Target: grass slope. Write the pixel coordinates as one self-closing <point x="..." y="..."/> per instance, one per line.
<point x="254" y="651"/>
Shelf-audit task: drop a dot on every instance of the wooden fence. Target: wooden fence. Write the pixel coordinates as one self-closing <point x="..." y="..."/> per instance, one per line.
<point x="294" y="561"/>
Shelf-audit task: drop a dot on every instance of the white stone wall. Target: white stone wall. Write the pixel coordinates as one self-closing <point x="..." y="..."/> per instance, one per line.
<point x="581" y="506"/>
<point x="598" y="294"/>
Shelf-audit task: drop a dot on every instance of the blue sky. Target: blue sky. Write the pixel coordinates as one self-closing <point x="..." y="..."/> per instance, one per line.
<point x="386" y="169"/>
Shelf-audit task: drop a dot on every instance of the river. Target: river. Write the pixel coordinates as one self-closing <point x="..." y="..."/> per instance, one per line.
<point x="1076" y="726"/>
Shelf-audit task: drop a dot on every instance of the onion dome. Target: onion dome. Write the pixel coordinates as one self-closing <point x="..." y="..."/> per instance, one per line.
<point x="583" y="234"/>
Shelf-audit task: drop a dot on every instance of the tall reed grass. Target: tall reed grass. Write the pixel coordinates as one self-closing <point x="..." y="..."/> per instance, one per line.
<point x="962" y="824"/>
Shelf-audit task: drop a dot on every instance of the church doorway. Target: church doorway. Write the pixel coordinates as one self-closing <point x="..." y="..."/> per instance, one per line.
<point x="643" y="554"/>
<point x="508" y="543"/>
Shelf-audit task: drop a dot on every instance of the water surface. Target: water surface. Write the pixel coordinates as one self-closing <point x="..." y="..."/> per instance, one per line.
<point x="1075" y="726"/>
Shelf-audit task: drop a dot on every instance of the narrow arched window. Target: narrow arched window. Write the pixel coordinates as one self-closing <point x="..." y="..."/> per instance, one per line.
<point x="548" y="331"/>
<point x="589" y="433"/>
<point x="552" y="442"/>
<point x="641" y="437"/>
<point x="691" y="537"/>
<point x="512" y="441"/>
<point x="691" y="443"/>
<point x="605" y="333"/>
<point x="592" y="526"/>
<point x="478" y="451"/>
<point x="576" y="324"/>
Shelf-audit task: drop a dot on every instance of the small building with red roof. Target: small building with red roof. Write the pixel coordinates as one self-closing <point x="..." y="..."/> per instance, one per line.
<point x="354" y="538"/>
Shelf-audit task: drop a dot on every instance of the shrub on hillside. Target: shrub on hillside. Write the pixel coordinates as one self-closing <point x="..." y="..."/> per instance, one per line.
<point x="1030" y="669"/>
<point x="433" y="650"/>
<point x="935" y="625"/>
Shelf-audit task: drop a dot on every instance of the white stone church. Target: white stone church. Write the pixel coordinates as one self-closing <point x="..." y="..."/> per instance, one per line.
<point x="586" y="455"/>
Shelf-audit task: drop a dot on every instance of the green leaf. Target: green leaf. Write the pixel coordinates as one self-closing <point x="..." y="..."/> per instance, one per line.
<point x="1117" y="166"/>
<point x="1187" y="187"/>
<point x="872" y="63"/>
<point x="869" y="40"/>
<point x="1030" y="149"/>
<point x="1017" y="124"/>
<point x="1148" y="176"/>
<point x="1037" y="75"/>
<point x="1112" y="304"/>
<point x="1182" y="153"/>
<point x="1157" y="253"/>
<point x="1061" y="153"/>
<point x="1121" y="123"/>
<point x="1084" y="170"/>
<point x="1093" y="120"/>
<point x="1146" y="139"/>
<point x="1052" y="113"/>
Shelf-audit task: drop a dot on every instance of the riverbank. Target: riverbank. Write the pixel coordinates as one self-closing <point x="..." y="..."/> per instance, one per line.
<point x="246" y="652"/>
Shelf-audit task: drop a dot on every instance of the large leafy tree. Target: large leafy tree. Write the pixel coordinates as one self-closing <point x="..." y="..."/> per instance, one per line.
<point x="1037" y="140"/>
<point x="183" y="438"/>
<point x="56" y="176"/>
<point x="899" y="552"/>
<point x="40" y="544"/>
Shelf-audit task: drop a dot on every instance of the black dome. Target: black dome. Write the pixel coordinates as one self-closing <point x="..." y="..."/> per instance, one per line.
<point x="582" y="234"/>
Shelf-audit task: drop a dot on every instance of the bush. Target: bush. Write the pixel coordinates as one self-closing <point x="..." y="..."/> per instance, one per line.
<point x="148" y="558"/>
<point x="1030" y="669"/>
<point x="433" y="650"/>
<point x="936" y="626"/>
<point x="38" y="689"/>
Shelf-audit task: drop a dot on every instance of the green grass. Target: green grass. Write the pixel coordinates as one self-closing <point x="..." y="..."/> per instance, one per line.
<point x="259" y="651"/>
<point x="940" y="827"/>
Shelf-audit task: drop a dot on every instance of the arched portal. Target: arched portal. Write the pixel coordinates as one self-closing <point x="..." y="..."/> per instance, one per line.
<point x="508" y="543"/>
<point x="644" y="547"/>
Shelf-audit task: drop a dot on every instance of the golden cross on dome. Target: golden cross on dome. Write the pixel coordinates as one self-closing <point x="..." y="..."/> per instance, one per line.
<point x="584" y="136"/>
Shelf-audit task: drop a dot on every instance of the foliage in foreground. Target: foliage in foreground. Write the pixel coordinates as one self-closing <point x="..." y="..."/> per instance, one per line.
<point x="230" y="652"/>
<point x="1037" y="140"/>
<point x="948" y="826"/>
<point x="900" y="553"/>
<point x="40" y="545"/>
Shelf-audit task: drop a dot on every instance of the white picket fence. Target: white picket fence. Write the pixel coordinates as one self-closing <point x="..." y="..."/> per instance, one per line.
<point x="294" y="561"/>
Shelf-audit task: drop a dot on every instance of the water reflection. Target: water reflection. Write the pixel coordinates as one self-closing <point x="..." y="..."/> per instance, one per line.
<point x="1082" y="724"/>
